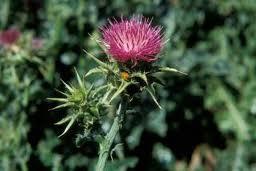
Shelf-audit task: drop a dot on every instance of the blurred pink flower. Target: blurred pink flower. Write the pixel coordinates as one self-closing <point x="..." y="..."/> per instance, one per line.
<point x="132" y="40"/>
<point x="9" y="37"/>
<point x="37" y="43"/>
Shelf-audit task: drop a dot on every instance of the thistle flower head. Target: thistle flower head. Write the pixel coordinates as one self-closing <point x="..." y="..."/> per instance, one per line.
<point x="9" y="36"/>
<point x="132" y="40"/>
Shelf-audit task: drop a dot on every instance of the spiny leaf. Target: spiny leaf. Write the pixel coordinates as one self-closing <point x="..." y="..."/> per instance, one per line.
<point x="151" y="92"/>
<point x="58" y="99"/>
<point x="94" y="71"/>
<point x="94" y="38"/>
<point x="99" y="89"/>
<point x="141" y="75"/>
<point x="67" y="86"/>
<point x="90" y="90"/>
<point x="62" y="106"/>
<point x="153" y="79"/>
<point x="114" y="150"/>
<point x="96" y="60"/>
<point x="80" y="82"/>
<point x="168" y="69"/>
<point x="64" y="120"/>
<point x="109" y="91"/>
<point x="121" y="88"/>
<point x="69" y="125"/>
<point x="65" y="94"/>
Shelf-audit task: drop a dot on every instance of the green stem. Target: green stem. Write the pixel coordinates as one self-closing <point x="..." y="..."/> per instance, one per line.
<point x="106" y="144"/>
<point x="24" y="166"/>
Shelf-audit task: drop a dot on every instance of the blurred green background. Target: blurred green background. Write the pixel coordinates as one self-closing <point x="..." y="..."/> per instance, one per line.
<point x="209" y="118"/>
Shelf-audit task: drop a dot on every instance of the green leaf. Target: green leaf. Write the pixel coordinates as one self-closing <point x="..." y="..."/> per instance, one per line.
<point x="58" y="99"/>
<point x="67" y="86"/>
<point x="62" y="106"/>
<point x="97" y="60"/>
<point x="151" y="92"/>
<point x="65" y="94"/>
<point x="153" y="79"/>
<point x="95" y="71"/>
<point x="69" y="125"/>
<point x="98" y="41"/>
<point x="107" y="94"/>
<point x="64" y="120"/>
<point x="121" y="88"/>
<point x="80" y="82"/>
<point x="168" y="69"/>
<point x="240" y="124"/>
<point x="143" y="76"/>
<point x="99" y="89"/>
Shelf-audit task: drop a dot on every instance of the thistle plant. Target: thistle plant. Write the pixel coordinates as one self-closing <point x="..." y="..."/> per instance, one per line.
<point x="131" y="46"/>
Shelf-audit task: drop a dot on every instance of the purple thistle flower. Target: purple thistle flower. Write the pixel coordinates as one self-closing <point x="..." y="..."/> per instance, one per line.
<point x="132" y="40"/>
<point x="9" y="37"/>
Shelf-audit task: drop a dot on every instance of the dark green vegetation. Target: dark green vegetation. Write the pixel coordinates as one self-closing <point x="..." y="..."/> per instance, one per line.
<point x="208" y="117"/>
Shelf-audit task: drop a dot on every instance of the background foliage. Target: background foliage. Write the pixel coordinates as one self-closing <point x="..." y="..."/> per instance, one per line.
<point x="208" y="121"/>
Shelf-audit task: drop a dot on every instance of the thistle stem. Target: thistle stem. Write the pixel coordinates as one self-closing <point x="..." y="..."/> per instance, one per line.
<point x="106" y="144"/>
